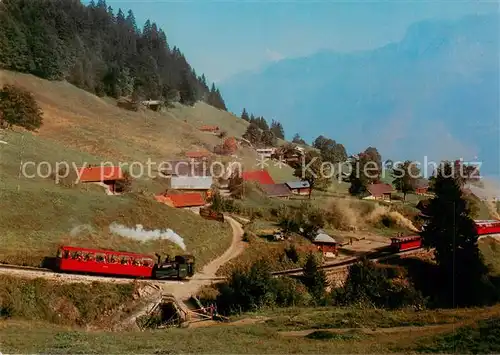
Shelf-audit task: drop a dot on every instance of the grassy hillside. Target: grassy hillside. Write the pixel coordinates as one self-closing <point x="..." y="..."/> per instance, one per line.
<point x="345" y="331"/>
<point x="37" y="214"/>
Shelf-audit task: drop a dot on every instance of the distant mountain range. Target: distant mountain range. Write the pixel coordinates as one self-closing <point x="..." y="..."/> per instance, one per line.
<point x="436" y="93"/>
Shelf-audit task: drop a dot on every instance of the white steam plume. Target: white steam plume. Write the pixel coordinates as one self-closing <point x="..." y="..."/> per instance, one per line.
<point x="143" y="235"/>
<point x="81" y="228"/>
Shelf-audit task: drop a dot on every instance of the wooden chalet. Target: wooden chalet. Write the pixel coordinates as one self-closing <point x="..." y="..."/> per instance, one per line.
<point x="301" y="188"/>
<point x="103" y="175"/>
<point x="326" y="244"/>
<point x="182" y="200"/>
<point x="276" y="190"/>
<point x="380" y="191"/>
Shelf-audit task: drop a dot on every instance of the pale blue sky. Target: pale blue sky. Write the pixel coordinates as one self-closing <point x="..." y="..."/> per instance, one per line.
<point x="222" y="38"/>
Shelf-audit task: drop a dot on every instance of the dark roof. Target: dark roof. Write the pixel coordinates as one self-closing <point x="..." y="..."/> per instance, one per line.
<point x="184" y="168"/>
<point x="380" y="189"/>
<point x="421" y="183"/>
<point x="276" y="190"/>
<point x="297" y="184"/>
<point x="260" y="176"/>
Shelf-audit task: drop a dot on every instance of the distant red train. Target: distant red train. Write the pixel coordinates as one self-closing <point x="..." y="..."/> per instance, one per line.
<point x="483" y="228"/>
<point x="399" y="244"/>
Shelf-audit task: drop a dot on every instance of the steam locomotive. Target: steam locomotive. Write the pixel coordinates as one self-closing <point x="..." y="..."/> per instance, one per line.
<point x="123" y="264"/>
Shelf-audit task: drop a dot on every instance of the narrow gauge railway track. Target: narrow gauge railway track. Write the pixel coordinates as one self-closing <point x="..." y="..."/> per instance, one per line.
<point x="34" y="272"/>
<point x="27" y="270"/>
<point x="373" y="256"/>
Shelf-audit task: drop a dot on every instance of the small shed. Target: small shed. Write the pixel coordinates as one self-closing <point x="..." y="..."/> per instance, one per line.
<point x="105" y="175"/>
<point x="421" y="186"/>
<point x="198" y="154"/>
<point x="299" y="187"/>
<point x="276" y="190"/>
<point x="211" y="129"/>
<point x="326" y="244"/>
<point x="380" y="191"/>
<point x="154" y="105"/>
<point x="201" y="183"/>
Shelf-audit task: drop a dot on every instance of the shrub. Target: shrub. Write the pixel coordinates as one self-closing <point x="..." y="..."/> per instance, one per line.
<point x="314" y="279"/>
<point x="18" y="107"/>
<point x="370" y="285"/>
<point x="292" y="254"/>
<point x="124" y="185"/>
<point x="254" y="288"/>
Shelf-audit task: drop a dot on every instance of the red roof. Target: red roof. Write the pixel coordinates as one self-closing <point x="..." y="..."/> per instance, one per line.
<point x="197" y="154"/>
<point x="100" y="173"/>
<point x="260" y="176"/>
<point x="209" y="128"/>
<point x="189" y="199"/>
<point x="380" y="189"/>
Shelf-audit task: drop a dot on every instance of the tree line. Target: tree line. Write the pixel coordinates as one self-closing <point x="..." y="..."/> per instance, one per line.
<point x="98" y="51"/>
<point x="260" y="133"/>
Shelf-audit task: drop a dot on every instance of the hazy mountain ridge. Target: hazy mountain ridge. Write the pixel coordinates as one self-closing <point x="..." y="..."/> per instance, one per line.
<point x="435" y="93"/>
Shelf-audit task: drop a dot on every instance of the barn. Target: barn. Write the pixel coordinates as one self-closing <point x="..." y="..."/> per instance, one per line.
<point x="299" y="187"/>
<point x="276" y="190"/>
<point x="182" y="200"/>
<point x="380" y="191"/>
<point x="102" y="175"/>
<point x="260" y="176"/>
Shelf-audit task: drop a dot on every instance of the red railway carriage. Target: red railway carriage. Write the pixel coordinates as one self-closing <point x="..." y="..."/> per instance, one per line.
<point x="104" y="262"/>
<point x="484" y="227"/>
<point x="406" y="243"/>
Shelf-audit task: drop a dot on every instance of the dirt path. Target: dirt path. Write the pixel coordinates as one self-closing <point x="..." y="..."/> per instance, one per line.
<point x="188" y="288"/>
<point x="303" y="333"/>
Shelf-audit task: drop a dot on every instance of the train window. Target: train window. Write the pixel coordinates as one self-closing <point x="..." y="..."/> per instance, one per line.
<point x="100" y="258"/>
<point x="89" y="257"/>
<point x="125" y="260"/>
<point x="136" y="262"/>
<point x="113" y="259"/>
<point x="147" y="262"/>
<point x="77" y="255"/>
<point x="65" y="254"/>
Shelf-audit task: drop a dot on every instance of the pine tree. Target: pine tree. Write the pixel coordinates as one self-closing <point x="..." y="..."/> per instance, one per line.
<point x="277" y="129"/>
<point x="253" y="134"/>
<point x="314" y="279"/>
<point x="451" y="232"/>
<point x="93" y="49"/>
<point x="405" y="177"/>
<point x="312" y="171"/>
<point x="186" y="91"/>
<point x="298" y="140"/>
<point x="244" y="115"/>
<point x="268" y="139"/>
<point x="365" y="170"/>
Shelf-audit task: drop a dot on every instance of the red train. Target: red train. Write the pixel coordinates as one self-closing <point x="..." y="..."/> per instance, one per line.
<point x="399" y="244"/>
<point x="485" y="227"/>
<point x="125" y="264"/>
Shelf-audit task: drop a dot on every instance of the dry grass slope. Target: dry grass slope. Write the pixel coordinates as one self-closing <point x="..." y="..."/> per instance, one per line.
<point x="37" y="215"/>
